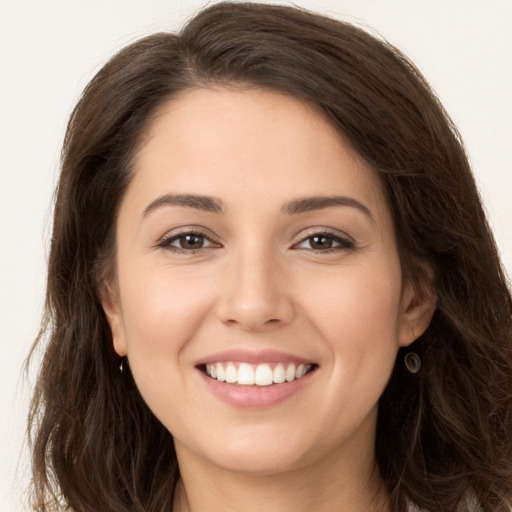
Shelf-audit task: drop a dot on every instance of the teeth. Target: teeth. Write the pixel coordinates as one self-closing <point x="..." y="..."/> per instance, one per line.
<point x="301" y="371"/>
<point x="221" y="375"/>
<point x="259" y="375"/>
<point x="245" y="374"/>
<point x="290" y="373"/>
<point x="231" y="374"/>
<point x="279" y="374"/>
<point x="264" y="376"/>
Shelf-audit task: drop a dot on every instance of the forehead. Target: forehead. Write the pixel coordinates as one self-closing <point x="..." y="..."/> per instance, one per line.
<point x="249" y="144"/>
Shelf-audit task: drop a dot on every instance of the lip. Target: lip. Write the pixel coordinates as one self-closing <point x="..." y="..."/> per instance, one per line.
<point x="253" y="357"/>
<point x="254" y="397"/>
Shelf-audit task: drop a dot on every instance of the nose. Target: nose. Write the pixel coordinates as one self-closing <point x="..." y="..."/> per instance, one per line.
<point x="255" y="295"/>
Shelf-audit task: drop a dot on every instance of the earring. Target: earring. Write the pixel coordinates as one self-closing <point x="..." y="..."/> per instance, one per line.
<point x="121" y="365"/>
<point x="412" y="362"/>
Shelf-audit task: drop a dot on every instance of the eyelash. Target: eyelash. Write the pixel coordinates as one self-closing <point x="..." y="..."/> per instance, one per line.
<point x="166" y="242"/>
<point x="344" y="243"/>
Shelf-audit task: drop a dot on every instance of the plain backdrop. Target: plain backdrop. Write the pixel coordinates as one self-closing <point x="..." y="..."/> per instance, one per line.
<point x="49" y="51"/>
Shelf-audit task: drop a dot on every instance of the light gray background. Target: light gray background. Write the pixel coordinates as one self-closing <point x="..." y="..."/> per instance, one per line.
<point x="48" y="52"/>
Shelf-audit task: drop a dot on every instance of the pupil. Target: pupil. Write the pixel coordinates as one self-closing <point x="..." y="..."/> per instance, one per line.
<point x="191" y="241"/>
<point x="321" y="242"/>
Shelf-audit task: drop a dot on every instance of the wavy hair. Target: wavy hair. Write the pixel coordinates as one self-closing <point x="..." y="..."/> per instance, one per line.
<point x="443" y="435"/>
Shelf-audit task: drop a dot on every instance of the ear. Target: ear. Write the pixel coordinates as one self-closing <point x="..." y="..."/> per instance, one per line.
<point x="109" y="298"/>
<point x="418" y="307"/>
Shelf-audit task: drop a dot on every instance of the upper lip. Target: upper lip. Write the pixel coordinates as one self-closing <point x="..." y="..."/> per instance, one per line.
<point x="253" y="357"/>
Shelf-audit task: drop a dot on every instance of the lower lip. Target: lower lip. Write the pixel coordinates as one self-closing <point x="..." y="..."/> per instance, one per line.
<point x="255" y="397"/>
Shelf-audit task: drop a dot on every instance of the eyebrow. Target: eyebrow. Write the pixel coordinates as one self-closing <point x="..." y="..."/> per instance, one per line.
<point x="308" y="204"/>
<point x="199" y="202"/>
<point x="215" y="205"/>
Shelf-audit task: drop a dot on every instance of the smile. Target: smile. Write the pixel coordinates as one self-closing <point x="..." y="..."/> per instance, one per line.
<point x="264" y="374"/>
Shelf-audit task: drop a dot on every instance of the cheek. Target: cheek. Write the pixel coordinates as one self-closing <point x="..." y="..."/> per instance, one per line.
<point x="357" y="300"/>
<point x="358" y="315"/>
<point x="161" y="309"/>
<point x="358" y="322"/>
<point x="157" y="297"/>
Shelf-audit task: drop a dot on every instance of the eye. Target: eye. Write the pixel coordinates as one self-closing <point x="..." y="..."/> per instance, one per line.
<point x="187" y="242"/>
<point x="325" y="242"/>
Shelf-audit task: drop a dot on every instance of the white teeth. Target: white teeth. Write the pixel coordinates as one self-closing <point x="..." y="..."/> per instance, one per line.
<point x="231" y="373"/>
<point x="259" y="375"/>
<point x="290" y="373"/>
<point x="221" y="375"/>
<point x="264" y="376"/>
<point x="245" y="374"/>
<point x="279" y="374"/>
<point x="301" y="371"/>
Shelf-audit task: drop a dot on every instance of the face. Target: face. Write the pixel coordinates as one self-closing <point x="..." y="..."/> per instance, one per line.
<point x="259" y="296"/>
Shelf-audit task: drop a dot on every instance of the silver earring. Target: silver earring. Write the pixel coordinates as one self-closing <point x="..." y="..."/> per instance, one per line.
<point x="412" y="362"/>
<point x="121" y="366"/>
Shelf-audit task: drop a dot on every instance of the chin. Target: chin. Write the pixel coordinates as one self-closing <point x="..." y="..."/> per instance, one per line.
<point x="262" y="453"/>
<point x="260" y="463"/>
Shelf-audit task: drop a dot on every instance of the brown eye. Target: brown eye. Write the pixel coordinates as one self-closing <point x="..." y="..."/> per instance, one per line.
<point x="320" y="242"/>
<point x="190" y="241"/>
<point x="184" y="242"/>
<point x="325" y="242"/>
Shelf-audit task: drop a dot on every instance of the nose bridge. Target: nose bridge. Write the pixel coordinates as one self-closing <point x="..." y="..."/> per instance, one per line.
<point x="255" y="295"/>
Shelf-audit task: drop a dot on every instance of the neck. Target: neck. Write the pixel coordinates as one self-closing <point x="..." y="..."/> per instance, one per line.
<point x="356" y="487"/>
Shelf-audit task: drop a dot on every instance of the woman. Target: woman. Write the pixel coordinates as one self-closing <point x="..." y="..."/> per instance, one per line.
<point x="271" y="284"/>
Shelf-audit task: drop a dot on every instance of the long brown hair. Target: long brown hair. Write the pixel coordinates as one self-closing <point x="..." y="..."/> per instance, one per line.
<point x="444" y="434"/>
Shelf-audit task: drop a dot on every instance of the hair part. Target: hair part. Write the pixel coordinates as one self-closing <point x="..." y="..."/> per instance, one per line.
<point x="443" y="434"/>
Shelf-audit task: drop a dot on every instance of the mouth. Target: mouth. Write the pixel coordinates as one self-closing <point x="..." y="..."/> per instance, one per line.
<point x="263" y="374"/>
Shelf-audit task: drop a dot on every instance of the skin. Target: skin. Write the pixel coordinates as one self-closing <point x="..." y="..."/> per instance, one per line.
<point x="259" y="282"/>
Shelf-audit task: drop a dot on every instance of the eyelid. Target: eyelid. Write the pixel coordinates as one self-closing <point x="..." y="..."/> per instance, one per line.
<point x="345" y="241"/>
<point x="166" y="240"/>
